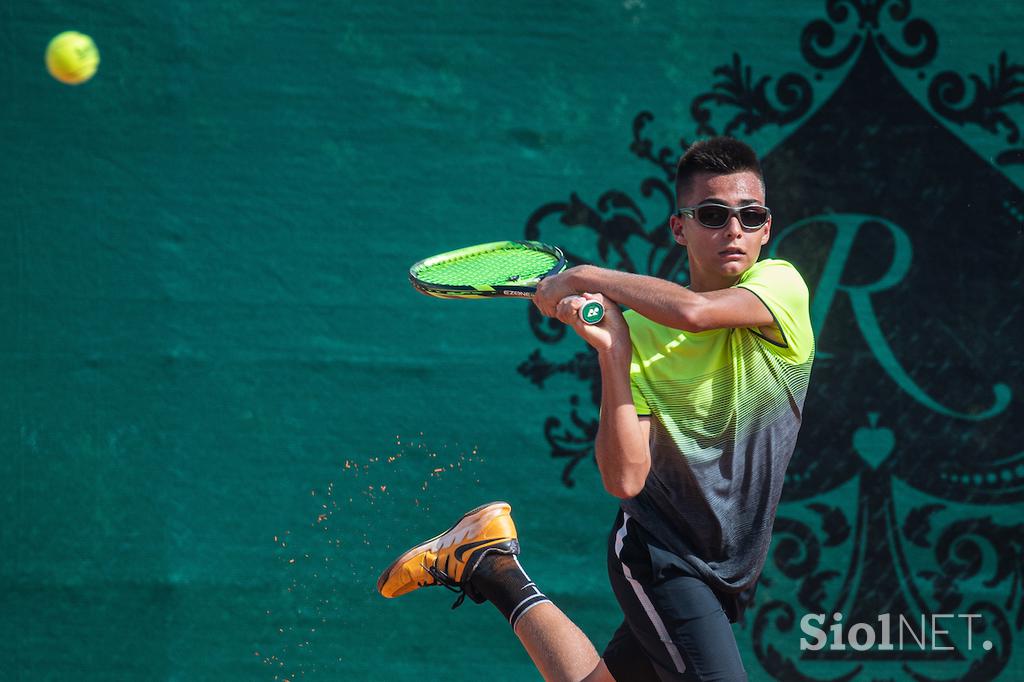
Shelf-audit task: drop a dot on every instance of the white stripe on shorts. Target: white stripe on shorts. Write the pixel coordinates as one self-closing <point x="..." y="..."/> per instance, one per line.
<point x="645" y="601"/>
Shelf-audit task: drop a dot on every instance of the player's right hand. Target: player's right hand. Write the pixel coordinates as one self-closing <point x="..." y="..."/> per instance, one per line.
<point x="551" y="290"/>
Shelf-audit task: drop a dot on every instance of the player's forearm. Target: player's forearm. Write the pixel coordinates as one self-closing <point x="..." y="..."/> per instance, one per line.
<point x="622" y="452"/>
<point x="659" y="300"/>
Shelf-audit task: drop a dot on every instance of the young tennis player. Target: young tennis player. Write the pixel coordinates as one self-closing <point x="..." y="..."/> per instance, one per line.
<point x="701" y="400"/>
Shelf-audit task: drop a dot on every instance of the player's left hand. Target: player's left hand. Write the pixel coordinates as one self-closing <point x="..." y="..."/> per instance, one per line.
<point x="610" y="334"/>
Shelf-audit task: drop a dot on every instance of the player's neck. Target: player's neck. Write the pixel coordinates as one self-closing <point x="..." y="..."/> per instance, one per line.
<point x="702" y="281"/>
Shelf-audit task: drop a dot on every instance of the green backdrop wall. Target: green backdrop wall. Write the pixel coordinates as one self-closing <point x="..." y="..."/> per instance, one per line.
<point x="223" y="410"/>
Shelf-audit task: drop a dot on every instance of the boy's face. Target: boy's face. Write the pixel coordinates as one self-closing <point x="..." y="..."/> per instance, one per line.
<point x="719" y="256"/>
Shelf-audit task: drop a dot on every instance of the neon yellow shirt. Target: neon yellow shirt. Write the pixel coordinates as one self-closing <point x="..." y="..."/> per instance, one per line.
<point x="726" y="407"/>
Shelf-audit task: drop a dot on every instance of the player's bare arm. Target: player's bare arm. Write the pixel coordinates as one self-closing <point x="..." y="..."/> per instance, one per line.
<point x="621" y="447"/>
<point x="659" y="300"/>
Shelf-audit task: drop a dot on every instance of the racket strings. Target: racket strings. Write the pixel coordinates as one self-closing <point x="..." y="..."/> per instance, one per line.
<point x="490" y="267"/>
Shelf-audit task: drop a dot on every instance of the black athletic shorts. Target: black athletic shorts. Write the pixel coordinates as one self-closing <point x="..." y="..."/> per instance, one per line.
<point x="676" y="627"/>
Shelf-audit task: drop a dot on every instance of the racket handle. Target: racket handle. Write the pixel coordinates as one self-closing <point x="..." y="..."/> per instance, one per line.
<point x="591" y="312"/>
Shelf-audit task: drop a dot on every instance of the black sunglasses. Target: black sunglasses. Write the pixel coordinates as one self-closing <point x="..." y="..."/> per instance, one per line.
<point x="715" y="216"/>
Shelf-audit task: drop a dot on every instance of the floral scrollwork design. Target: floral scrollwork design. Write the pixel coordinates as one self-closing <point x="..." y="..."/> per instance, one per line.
<point x="947" y="94"/>
<point x="738" y="89"/>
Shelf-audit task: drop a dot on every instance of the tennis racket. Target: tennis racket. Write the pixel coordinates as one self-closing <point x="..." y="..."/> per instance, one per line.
<point x="493" y="270"/>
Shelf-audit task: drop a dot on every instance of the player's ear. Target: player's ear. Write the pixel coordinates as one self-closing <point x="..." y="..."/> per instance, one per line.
<point x="767" y="231"/>
<point x="675" y="223"/>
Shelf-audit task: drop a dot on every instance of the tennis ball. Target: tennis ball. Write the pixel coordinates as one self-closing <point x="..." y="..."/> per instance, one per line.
<point x="72" y="57"/>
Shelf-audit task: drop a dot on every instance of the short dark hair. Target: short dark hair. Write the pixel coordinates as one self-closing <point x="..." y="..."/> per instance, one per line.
<point x="716" y="155"/>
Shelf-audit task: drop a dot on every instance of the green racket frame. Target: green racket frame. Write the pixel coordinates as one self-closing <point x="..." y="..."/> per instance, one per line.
<point x="520" y="287"/>
<point x="506" y="284"/>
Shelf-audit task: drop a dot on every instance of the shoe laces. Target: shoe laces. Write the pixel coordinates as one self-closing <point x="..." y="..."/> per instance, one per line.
<point x="446" y="581"/>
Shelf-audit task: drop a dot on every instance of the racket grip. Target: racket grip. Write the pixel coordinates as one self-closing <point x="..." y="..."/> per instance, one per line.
<point x="591" y="312"/>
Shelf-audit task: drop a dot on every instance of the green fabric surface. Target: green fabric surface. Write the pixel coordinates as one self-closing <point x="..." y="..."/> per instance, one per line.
<point x="223" y="408"/>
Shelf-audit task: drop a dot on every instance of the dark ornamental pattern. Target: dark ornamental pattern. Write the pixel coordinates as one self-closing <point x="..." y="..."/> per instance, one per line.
<point x="905" y="491"/>
<point x="737" y="89"/>
<point x="948" y="96"/>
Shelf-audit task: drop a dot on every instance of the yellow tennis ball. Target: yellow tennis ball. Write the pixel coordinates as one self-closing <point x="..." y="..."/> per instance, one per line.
<point x="72" y="57"/>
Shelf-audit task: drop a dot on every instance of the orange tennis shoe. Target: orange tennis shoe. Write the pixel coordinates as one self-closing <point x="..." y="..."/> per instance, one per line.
<point x="450" y="558"/>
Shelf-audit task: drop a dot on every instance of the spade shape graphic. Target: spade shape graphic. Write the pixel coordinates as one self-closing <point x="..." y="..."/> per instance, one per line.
<point x="913" y="248"/>
<point x="928" y="211"/>
<point x="906" y="238"/>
